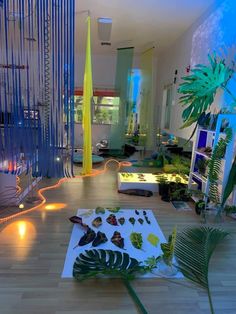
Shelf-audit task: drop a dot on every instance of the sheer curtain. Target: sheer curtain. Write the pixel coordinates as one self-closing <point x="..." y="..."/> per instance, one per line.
<point x="122" y="85"/>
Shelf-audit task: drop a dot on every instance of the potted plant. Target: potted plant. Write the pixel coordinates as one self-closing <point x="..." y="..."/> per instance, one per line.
<point x="164" y="187"/>
<point x="179" y="192"/>
<point x="199" y="206"/>
<point x="202" y="166"/>
<point x="230" y="211"/>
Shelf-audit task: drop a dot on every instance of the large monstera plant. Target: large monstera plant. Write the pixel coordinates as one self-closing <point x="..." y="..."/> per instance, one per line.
<point x="199" y="89"/>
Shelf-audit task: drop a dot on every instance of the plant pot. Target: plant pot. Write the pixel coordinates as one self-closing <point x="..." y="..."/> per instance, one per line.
<point x="163" y="189"/>
<point x="232" y="215"/>
<point x="164" y="270"/>
<point x="199" y="206"/>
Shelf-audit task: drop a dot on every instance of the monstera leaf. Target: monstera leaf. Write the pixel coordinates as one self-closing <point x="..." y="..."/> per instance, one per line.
<point x="199" y="88"/>
<point x="106" y="262"/>
<point x="193" y="250"/>
<point x="95" y="262"/>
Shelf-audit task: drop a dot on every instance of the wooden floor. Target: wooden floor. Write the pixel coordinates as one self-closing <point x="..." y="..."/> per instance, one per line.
<point x="33" y="249"/>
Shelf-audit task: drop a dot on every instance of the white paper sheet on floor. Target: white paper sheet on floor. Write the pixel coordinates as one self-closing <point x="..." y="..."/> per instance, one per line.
<point x="148" y="250"/>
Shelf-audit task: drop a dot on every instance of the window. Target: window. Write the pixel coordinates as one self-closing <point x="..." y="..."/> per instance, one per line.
<point x="78" y="108"/>
<point x="105" y="109"/>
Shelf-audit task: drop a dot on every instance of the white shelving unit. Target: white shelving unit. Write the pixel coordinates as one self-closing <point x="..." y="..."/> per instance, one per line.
<point x="208" y="138"/>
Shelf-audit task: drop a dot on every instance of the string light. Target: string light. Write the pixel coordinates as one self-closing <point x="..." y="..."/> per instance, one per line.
<point x="40" y="192"/>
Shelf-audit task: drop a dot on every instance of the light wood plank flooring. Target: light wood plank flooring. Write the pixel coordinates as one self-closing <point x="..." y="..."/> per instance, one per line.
<point x="33" y="249"/>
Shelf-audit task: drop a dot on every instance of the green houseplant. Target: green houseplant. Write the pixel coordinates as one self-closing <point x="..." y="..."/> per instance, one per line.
<point x="199" y="89"/>
<point x="163" y="185"/>
<point x="198" y="93"/>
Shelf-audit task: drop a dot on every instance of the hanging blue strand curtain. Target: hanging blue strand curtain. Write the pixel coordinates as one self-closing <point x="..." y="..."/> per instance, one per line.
<point x="122" y="86"/>
<point x="37" y="86"/>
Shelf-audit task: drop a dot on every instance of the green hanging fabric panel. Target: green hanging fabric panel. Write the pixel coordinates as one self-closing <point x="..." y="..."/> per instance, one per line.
<point x="122" y="86"/>
<point x="147" y="109"/>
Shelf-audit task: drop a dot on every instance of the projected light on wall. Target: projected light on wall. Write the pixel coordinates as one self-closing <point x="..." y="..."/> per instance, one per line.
<point x="216" y="32"/>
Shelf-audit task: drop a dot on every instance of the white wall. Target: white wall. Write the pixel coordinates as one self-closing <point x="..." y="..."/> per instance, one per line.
<point x="214" y="30"/>
<point x="99" y="132"/>
<point x="103" y="67"/>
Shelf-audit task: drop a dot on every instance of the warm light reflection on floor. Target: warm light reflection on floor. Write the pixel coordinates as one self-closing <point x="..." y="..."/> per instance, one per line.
<point x="55" y="206"/>
<point x="22" y="229"/>
<point x="41" y="191"/>
<point x="19" y="235"/>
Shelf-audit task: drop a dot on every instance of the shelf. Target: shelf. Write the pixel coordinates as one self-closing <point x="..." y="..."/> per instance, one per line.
<point x="205" y="130"/>
<point x="202" y="154"/>
<point x="199" y="176"/>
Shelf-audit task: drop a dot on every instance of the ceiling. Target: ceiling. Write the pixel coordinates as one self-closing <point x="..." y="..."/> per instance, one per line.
<point x="138" y="23"/>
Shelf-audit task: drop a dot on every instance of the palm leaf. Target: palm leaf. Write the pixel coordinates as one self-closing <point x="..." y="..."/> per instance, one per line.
<point x="230" y="183"/>
<point x="193" y="250"/>
<point x="214" y="165"/>
<point x="106" y="262"/>
<point x="199" y="89"/>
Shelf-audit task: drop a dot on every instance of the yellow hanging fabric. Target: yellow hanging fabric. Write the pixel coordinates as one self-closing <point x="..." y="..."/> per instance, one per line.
<point x="87" y="96"/>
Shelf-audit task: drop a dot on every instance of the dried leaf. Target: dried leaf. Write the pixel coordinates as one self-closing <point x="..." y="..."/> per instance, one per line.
<point x="132" y="220"/>
<point x="100" y="238"/>
<point x="88" y="237"/>
<point x="100" y="210"/>
<point x="117" y="240"/>
<point x="136" y="239"/>
<point x="153" y="239"/>
<point x="141" y="221"/>
<point x="111" y="219"/>
<point x="97" y="222"/>
<point x="113" y="209"/>
<point x="121" y="221"/>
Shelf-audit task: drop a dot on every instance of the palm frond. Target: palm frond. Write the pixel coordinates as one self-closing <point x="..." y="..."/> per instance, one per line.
<point x="193" y="250"/>
<point x="230" y="183"/>
<point x="199" y="89"/>
<point x="214" y="165"/>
